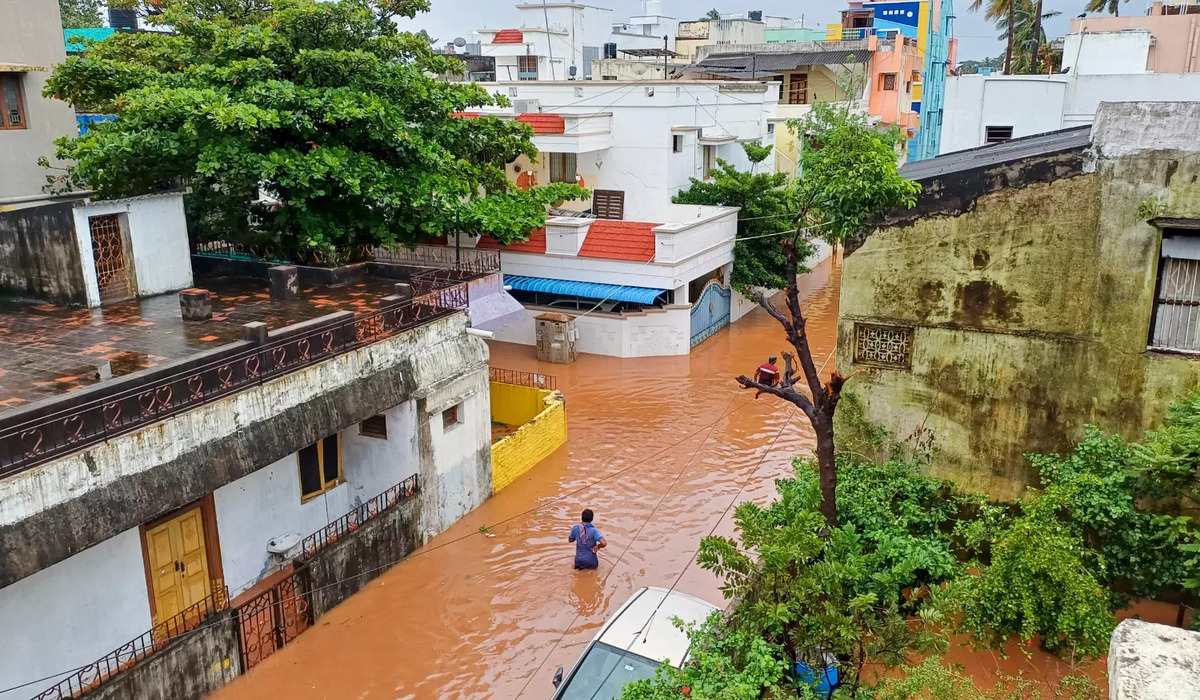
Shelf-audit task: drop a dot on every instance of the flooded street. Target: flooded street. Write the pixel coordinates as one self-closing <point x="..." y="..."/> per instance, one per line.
<point x="659" y="448"/>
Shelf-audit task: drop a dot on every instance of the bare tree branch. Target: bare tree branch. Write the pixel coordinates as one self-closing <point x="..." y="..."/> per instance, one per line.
<point x="786" y="393"/>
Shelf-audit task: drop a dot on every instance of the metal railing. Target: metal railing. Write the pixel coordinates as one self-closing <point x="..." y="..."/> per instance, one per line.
<point x="518" y="378"/>
<point x="40" y="440"/>
<point x="366" y="512"/>
<point x="127" y="655"/>
<point x="280" y="255"/>
<point x="271" y="619"/>
<point x="469" y="259"/>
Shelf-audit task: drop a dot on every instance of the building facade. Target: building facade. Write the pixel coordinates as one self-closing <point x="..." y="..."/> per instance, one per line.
<point x="642" y="275"/>
<point x="250" y="477"/>
<point x="31" y="44"/>
<point x="1160" y="41"/>
<point x="1038" y="286"/>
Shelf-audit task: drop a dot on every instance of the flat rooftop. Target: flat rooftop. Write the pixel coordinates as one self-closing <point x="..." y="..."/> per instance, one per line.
<point x="48" y="350"/>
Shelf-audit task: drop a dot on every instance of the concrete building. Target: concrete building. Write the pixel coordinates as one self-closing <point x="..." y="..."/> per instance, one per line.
<point x="645" y="276"/>
<point x="561" y="40"/>
<point x="1038" y="286"/>
<point x="733" y="30"/>
<point x="31" y="44"/>
<point x="887" y="65"/>
<point x="1105" y="59"/>
<point x="929" y="23"/>
<point x="248" y="474"/>
<point x="1164" y="40"/>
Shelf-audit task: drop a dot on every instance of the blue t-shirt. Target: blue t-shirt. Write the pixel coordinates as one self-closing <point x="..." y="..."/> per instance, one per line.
<point x="585" y="536"/>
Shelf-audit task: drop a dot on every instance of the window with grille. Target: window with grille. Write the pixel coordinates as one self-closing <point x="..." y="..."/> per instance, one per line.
<point x="375" y="426"/>
<point x="998" y="134"/>
<point x="527" y="67"/>
<point x="12" y="102"/>
<point x="884" y="346"/>
<point x="451" y="416"/>
<point x="889" y="81"/>
<point x="1176" y="321"/>
<point x="320" y="467"/>
<point x="563" y="167"/>
<point x="798" y="89"/>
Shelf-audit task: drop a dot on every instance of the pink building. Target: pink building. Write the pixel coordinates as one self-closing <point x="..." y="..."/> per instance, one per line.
<point x="1169" y="36"/>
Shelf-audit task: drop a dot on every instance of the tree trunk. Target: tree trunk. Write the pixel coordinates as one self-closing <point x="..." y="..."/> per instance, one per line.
<point x="1012" y="22"/>
<point x="827" y="463"/>
<point x="822" y="405"/>
<point x="1037" y="40"/>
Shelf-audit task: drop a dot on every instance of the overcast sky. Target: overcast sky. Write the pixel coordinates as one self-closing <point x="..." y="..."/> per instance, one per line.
<point x="453" y="18"/>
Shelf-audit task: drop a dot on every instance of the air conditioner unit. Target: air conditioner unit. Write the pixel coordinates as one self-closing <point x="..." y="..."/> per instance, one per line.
<point x="526" y="106"/>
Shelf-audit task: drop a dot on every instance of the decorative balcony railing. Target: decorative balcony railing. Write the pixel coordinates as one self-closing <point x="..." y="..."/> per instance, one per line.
<point x="518" y="378"/>
<point x="124" y="407"/>
<point x="359" y="516"/>
<point x="124" y="657"/>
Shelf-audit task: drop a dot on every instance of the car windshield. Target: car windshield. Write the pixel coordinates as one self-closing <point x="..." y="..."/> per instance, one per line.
<point x="604" y="672"/>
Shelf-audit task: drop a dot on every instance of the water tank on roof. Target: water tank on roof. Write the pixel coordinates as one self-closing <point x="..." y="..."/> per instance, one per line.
<point x="755" y="15"/>
<point x="652" y="8"/>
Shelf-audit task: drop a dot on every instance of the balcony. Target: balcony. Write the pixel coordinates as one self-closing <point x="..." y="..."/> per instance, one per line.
<point x="580" y="133"/>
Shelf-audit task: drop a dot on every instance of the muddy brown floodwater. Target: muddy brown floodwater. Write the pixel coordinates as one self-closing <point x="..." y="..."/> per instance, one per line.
<point x="493" y="617"/>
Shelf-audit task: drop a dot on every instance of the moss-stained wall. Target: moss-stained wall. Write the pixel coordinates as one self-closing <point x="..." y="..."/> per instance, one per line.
<point x="1030" y="312"/>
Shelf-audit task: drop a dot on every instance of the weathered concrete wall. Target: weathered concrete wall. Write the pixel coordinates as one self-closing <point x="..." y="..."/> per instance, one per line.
<point x="372" y="549"/>
<point x="39" y="257"/>
<point x="1153" y="662"/>
<point x="189" y="668"/>
<point x="1030" y="306"/>
<point x="61" y="508"/>
<point x="534" y="441"/>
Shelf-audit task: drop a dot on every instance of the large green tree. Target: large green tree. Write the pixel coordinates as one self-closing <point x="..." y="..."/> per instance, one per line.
<point x="1112" y="7"/>
<point x="79" y="14"/>
<point x="325" y="107"/>
<point x="850" y="179"/>
<point x="765" y="212"/>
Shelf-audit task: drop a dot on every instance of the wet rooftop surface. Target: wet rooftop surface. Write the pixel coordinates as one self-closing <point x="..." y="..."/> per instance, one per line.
<point x="47" y="350"/>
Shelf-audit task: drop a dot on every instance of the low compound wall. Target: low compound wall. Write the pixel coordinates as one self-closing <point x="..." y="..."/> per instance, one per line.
<point x="535" y="440"/>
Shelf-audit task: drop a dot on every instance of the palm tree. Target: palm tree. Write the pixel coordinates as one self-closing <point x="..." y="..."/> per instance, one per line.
<point x="999" y="10"/>
<point x="1025" y="31"/>
<point x="1112" y="7"/>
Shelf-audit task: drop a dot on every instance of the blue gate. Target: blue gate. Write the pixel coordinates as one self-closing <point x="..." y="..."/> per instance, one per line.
<point x="710" y="313"/>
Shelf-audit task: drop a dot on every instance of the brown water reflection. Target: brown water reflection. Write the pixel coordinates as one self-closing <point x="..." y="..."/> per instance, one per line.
<point x="485" y="617"/>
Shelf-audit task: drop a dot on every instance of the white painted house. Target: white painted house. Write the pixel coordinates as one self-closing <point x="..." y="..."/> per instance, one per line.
<point x="644" y="276"/>
<point x="560" y="40"/>
<point x="1104" y="66"/>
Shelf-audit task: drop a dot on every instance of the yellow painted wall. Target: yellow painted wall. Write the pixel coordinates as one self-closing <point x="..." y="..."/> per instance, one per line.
<point x="516" y="405"/>
<point x="537" y="438"/>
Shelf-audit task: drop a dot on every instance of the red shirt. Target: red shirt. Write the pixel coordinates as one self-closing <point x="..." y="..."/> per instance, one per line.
<point x="767" y="374"/>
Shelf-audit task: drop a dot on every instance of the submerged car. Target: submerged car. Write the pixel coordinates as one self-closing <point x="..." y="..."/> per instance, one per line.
<point x="632" y="644"/>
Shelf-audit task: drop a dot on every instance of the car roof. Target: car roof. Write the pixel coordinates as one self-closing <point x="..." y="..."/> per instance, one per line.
<point x="658" y="640"/>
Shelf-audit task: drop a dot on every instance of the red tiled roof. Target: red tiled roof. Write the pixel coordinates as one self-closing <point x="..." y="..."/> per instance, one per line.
<point x="467" y="115"/>
<point x="619" y="240"/>
<point x="545" y="123"/>
<point x="535" y="244"/>
<point x="509" y="36"/>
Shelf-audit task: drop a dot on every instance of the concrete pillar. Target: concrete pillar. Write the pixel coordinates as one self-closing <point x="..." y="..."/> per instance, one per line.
<point x="403" y="290"/>
<point x="195" y="305"/>
<point x="285" y="282"/>
<point x="255" y="332"/>
<point x="681" y="295"/>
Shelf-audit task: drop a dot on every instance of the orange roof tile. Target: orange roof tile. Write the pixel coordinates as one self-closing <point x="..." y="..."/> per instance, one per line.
<point x="619" y="240"/>
<point x="545" y="123"/>
<point x="509" y="36"/>
<point x="535" y="244"/>
<point x="467" y="115"/>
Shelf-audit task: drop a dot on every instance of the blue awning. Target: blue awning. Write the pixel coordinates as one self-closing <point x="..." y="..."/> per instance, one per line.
<point x="587" y="290"/>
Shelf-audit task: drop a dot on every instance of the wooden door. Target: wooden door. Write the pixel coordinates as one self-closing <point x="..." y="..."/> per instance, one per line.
<point x="178" y="560"/>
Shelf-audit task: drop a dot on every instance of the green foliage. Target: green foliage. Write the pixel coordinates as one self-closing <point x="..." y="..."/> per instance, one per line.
<point x="326" y="106"/>
<point x="972" y="67"/>
<point x="80" y="14"/>
<point x="723" y="664"/>
<point x="765" y="214"/>
<point x="850" y="174"/>
<point x="712" y="15"/>
<point x="757" y="152"/>
<point x="1026" y="28"/>
<point x="1038" y="584"/>
<point x="934" y="680"/>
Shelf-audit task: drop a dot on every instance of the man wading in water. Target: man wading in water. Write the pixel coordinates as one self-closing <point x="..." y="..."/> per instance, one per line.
<point x="588" y="541"/>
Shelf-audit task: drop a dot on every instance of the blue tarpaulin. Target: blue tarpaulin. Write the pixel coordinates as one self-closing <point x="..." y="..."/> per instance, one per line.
<point x="77" y="39"/>
<point x="587" y="290"/>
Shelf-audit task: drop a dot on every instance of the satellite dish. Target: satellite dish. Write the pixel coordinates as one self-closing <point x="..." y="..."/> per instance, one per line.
<point x="460" y="42"/>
